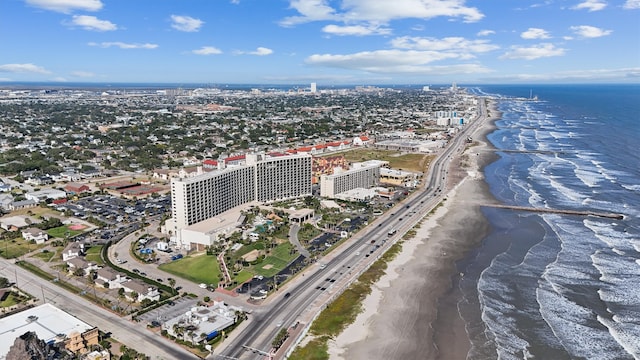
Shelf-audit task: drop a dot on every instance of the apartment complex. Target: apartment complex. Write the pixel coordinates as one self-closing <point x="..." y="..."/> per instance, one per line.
<point x="361" y="175"/>
<point x="262" y="178"/>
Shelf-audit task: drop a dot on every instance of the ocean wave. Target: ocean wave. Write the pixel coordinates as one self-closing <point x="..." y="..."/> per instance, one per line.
<point x="627" y="336"/>
<point x="570" y="323"/>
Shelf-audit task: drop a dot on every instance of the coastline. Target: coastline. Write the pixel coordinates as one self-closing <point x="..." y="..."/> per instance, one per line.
<point x="412" y="310"/>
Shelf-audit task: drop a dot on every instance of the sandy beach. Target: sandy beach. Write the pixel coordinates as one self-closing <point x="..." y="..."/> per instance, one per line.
<point x="412" y="312"/>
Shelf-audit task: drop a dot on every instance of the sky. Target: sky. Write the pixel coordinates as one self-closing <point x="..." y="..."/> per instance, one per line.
<point x="330" y="42"/>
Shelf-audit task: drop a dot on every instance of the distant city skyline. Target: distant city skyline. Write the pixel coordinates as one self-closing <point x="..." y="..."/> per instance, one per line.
<point x="320" y="41"/>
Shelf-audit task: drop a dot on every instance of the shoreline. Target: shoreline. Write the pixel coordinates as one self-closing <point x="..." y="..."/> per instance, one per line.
<point x="412" y="310"/>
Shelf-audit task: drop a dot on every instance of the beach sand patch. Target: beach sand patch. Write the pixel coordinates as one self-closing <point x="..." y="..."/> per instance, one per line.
<point x="251" y="256"/>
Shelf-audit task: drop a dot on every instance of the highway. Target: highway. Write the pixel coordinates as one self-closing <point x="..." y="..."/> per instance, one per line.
<point x="309" y="294"/>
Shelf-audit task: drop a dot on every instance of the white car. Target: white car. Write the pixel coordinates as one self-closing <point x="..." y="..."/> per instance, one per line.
<point x="203" y="286"/>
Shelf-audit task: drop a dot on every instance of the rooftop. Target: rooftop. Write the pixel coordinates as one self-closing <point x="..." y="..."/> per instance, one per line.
<point x="46" y="320"/>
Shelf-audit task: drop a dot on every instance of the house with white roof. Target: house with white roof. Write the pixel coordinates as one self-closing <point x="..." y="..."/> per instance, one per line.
<point x="35" y="234"/>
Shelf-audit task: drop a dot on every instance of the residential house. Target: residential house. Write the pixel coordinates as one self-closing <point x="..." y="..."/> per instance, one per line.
<point x="5" y="201"/>
<point x="72" y="250"/>
<point x="90" y="173"/>
<point x="45" y="194"/>
<point x="23" y="204"/>
<point x="76" y="188"/>
<point x="143" y="291"/>
<point x="361" y="140"/>
<point x="111" y="277"/>
<point x="4" y="187"/>
<point x="35" y="234"/>
<point x="80" y="263"/>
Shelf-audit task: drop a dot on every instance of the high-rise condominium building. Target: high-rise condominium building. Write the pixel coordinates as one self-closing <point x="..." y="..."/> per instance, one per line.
<point x="362" y="175"/>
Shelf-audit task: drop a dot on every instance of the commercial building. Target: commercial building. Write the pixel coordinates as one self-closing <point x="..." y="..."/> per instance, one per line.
<point x="261" y="178"/>
<point x="201" y="323"/>
<point x="51" y="325"/>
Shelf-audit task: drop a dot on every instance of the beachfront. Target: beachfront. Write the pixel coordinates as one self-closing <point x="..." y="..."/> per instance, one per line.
<point x="412" y="311"/>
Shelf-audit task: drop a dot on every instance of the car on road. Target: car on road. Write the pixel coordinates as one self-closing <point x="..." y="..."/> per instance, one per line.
<point x="136" y="271"/>
<point x="323" y="265"/>
<point x="287" y="295"/>
<point x="203" y="286"/>
<point x="159" y="280"/>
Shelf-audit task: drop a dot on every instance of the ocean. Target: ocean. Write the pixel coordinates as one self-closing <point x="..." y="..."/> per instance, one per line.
<point x="554" y="286"/>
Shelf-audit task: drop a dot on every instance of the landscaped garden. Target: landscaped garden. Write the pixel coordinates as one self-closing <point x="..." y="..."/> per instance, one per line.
<point x="64" y="231"/>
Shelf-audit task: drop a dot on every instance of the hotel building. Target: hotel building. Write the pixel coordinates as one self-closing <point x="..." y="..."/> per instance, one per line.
<point x="202" y="198"/>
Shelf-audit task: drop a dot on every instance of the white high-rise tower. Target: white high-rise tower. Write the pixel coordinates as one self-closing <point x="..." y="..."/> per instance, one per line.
<point x="313" y="88"/>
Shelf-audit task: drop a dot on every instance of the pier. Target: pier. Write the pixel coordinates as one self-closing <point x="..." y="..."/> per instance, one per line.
<point x="559" y="211"/>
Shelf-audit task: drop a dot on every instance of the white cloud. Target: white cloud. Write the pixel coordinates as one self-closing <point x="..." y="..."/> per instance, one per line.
<point x="591" y="5"/>
<point x="485" y="32"/>
<point x="458" y="45"/>
<point x="92" y="23"/>
<point x="310" y="10"/>
<point x="533" y="52"/>
<point x="535" y="33"/>
<point x="83" y="74"/>
<point x="123" y="45"/>
<point x="632" y="4"/>
<point x="395" y="61"/>
<point x="186" y="23"/>
<point x="357" y="30"/>
<point x="587" y="31"/>
<point x="207" y="50"/>
<point x="379" y="11"/>
<point x="260" y="51"/>
<point x="67" y="6"/>
<point x="24" y="68"/>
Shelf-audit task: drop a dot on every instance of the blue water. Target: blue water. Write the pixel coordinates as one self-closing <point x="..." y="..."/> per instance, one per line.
<point x="550" y="286"/>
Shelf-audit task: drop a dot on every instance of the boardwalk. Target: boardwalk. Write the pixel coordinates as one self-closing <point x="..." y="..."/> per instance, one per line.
<point x="559" y="211"/>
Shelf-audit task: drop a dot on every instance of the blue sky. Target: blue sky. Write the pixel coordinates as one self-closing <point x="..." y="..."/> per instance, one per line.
<point x="324" y="41"/>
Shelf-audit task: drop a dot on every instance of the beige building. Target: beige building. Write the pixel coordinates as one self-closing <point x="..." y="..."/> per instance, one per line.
<point x="362" y="175"/>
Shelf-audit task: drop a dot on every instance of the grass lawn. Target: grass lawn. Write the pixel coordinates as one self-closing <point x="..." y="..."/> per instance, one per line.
<point x="93" y="255"/>
<point x="198" y="269"/>
<point x="45" y="255"/>
<point x="408" y="162"/>
<point x="62" y="231"/>
<point x="11" y="249"/>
